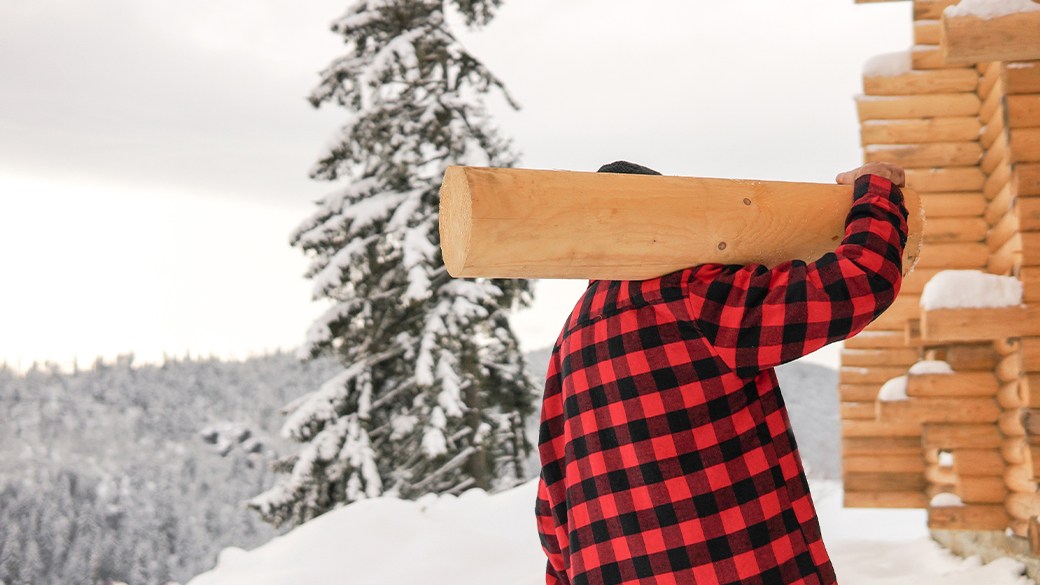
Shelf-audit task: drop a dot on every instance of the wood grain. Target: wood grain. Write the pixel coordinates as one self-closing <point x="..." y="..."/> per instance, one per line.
<point x="515" y="223"/>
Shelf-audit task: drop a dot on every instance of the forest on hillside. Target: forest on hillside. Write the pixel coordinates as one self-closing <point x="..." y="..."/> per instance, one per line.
<point x="138" y="473"/>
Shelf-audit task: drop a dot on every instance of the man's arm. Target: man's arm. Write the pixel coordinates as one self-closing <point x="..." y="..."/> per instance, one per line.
<point x="758" y="318"/>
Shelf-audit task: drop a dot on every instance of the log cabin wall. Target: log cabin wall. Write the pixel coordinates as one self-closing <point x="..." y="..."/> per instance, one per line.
<point x="961" y="112"/>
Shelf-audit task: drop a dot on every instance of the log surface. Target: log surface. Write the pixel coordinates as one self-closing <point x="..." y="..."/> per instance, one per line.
<point x="515" y="223"/>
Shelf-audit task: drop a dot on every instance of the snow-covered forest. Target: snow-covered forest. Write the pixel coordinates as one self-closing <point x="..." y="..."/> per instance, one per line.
<point x="137" y="473"/>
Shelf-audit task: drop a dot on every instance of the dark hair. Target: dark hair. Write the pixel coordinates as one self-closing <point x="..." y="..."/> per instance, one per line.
<point x="626" y="168"/>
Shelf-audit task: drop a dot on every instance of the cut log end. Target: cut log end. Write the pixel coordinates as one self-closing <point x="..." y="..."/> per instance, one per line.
<point x="456" y="212"/>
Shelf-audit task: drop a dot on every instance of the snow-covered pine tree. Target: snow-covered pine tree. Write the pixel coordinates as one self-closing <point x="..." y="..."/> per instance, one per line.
<point x="435" y="393"/>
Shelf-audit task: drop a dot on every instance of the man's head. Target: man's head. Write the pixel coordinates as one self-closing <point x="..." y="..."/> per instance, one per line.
<point x="626" y="168"/>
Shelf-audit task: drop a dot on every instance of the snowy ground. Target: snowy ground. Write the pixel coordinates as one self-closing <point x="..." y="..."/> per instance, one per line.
<point x="477" y="539"/>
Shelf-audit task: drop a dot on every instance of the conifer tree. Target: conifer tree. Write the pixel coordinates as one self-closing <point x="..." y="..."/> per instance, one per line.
<point x="434" y="394"/>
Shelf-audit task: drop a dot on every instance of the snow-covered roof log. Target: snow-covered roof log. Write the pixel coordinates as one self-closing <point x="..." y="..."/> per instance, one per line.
<point x="978" y="31"/>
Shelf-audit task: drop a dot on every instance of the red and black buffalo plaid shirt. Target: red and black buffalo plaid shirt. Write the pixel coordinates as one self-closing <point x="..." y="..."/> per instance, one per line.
<point x="667" y="454"/>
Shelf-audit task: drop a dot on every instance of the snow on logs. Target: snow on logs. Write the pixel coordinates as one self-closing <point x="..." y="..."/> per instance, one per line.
<point x="975" y="31"/>
<point x="516" y="223"/>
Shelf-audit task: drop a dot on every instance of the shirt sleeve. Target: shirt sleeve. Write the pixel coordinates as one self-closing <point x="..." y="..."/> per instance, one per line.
<point x="758" y="318"/>
<point x="547" y="536"/>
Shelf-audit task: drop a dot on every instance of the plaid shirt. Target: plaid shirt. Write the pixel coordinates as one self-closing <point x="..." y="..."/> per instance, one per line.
<point x="667" y="454"/>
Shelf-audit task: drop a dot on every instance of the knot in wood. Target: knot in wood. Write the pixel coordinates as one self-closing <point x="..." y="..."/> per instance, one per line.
<point x="722" y="245"/>
<point x="747" y="201"/>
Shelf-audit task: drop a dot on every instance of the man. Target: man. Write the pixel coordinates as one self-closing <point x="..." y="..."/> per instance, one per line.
<point x="667" y="454"/>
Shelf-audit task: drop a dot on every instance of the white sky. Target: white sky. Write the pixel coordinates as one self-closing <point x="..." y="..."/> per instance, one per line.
<point x="154" y="153"/>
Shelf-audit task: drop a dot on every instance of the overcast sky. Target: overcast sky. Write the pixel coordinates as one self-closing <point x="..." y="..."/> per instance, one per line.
<point x="154" y="153"/>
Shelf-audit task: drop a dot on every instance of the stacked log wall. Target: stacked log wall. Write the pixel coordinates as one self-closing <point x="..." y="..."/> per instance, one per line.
<point x="969" y="137"/>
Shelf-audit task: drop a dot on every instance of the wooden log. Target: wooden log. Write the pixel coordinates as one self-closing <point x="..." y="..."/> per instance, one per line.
<point x="857" y="411"/>
<point x="961" y="436"/>
<point x="1030" y="277"/>
<point x="931" y="9"/>
<point x="1010" y="424"/>
<point x="1023" y="111"/>
<point x="1026" y="179"/>
<point x="943" y="205"/>
<point x="1021" y="77"/>
<point x="1024" y="144"/>
<point x="927" y="32"/>
<point x="981" y="489"/>
<point x="881" y="446"/>
<point x="969" y="39"/>
<point x="875" y="340"/>
<point x="1015" y="450"/>
<point x="943" y="410"/>
<point x="1030" y="389"/>
<point x="858" y="392"/>
<point x="1027" y="213"/>
<point x="971" y="357"/>
<point x="946" y="180"/>
<point x="917" y="106"/>
<point x="993" y="106"/>
<point x="1033" y="534"/>
<point x="1023" y="505"/>
<point x="922" y="82"/>
<point x="1005" y="346"/>
<point x="885" y="463"/>
<point x="875" y="375"/>
<point x="1019" y="477"/>
<point x="914" y="282"/>
<point x="997" y="181"/>
<point x="1003" y="231"/>
<point x="954" y="255"/>
<point x="932" y="154"/>
<point x="866" y="358"/>
<point x="973" y="517"/>
<point x="999" y="205"/>
<point x="955" y="229"/>
<point x="1029" y="354"/>
<point x="990" y="75"/>
<point x="978" y="462"/>
<point x="1030" y="419"/>
<point x="884" y="482"/>
<point x="860" y="428"/>
<point x="958" y="384"/>
<point x="1003" y="260"/>
<point x="978" y="324"/>
<point x="905" y="307"/>
<point x="515" y="223"/>
<point x="1009" y="395"/>
<point x="1009" y="368"/>
<point x="925" y="130"/>
<point x="996" y="154"/>
<point x="942" y="476"/>
<point x="993" y="128"/>
<point x="925" y="57"/>
<point x="871" y="499"/>
<point x="913" y="333"/>
<point x="1030" y="248"/>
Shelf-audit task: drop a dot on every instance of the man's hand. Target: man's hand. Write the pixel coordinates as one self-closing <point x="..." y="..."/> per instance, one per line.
<point x="887" y="170"/>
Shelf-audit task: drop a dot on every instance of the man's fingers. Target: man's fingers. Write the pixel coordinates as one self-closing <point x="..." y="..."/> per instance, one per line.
<point x="889" y="171"/>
